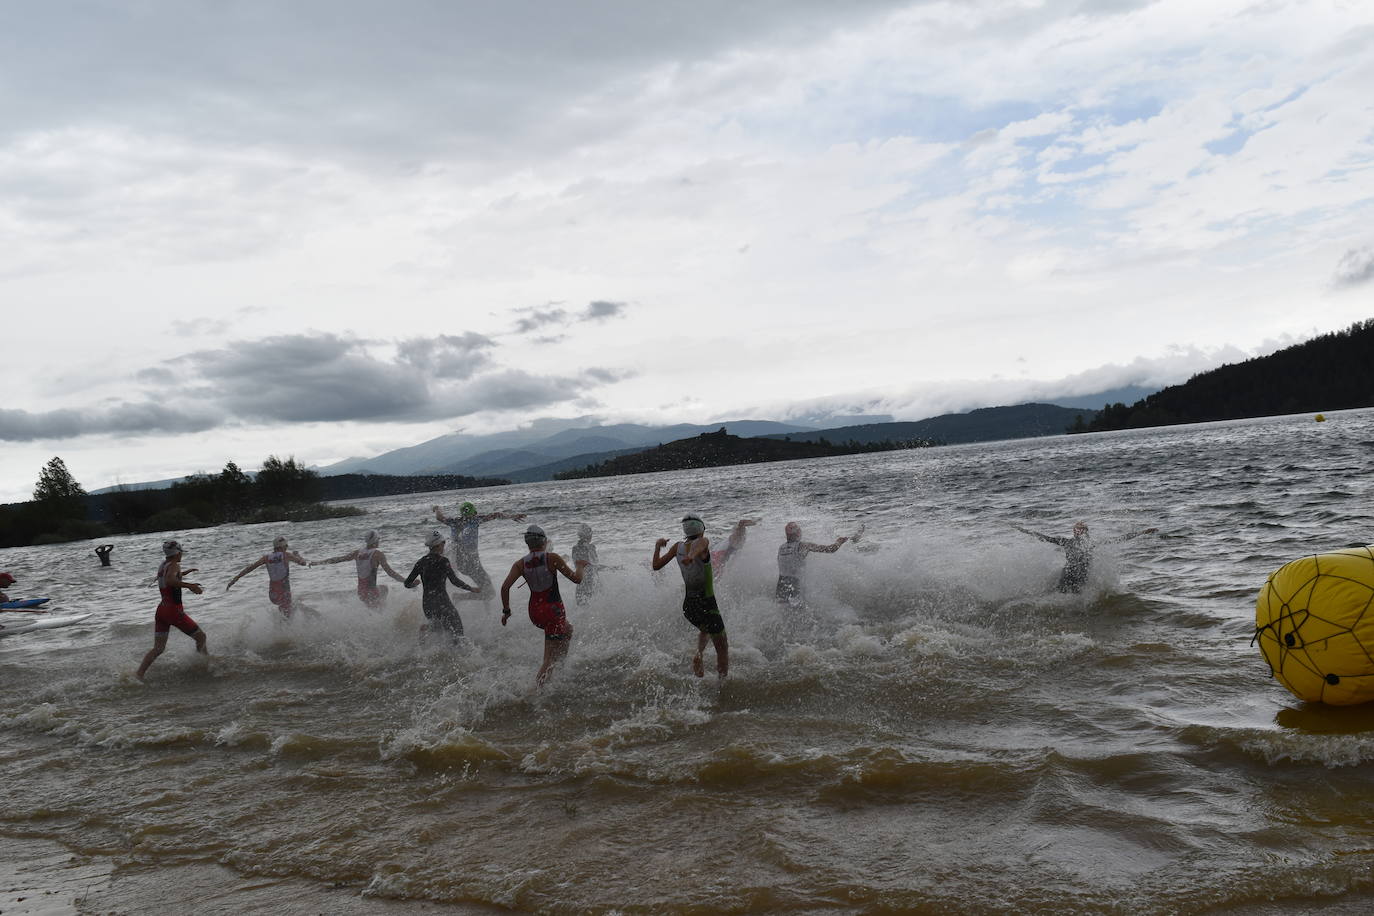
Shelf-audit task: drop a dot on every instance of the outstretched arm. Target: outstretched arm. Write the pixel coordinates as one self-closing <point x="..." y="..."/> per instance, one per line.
<point x="1049" y="539"/>
<point x="352" y="554"/>
<point x="824" y="548"/>
<point x="453" y="577"/>
<point x="1133" y="534"/>
<point x="385" y="567"/>
<point x="493" y="516"/>
<point x="297" y="559"/>
<point x="243" y="572"/>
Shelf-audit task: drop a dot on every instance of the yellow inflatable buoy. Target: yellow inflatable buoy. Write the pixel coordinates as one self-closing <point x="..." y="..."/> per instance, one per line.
<point x="1321" y="418"/>
<point x="1314" y="622"/>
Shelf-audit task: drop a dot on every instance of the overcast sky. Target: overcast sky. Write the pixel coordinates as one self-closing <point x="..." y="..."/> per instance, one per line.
<point x="326" y="229"/>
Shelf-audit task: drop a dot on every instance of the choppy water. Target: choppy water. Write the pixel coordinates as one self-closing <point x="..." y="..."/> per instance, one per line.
<point x="939" y="734"/>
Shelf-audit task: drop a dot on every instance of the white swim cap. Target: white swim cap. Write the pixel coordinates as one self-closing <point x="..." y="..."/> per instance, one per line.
<point x="692" y="525"/>
<point x="535" y="537"/>
<point x="279" y="542"/>
<point x="372" y="538"/>
<point x="434" y="539"/>
<point x="584" y="532"/>
<point x="170" y="548"/>
<point x="792" y="531"/>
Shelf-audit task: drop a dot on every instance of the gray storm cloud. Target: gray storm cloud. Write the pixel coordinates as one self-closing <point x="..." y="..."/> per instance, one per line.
<point x="553" y="316"/>
<point x="310" y="378"/>
<point x="118" y="419"/>
<point x="1356" y="267"/>
<point x="366" y="80"/>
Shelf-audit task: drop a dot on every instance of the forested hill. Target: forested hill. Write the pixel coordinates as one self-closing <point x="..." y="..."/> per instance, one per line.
<point x="982" y="425"/>
<point x="710" y="450"/>
<point x="1331" y="372"/>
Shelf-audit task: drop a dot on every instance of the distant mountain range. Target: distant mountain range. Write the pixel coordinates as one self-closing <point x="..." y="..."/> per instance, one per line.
<point x="548" y="447"/>
<point x="522" y="457"/>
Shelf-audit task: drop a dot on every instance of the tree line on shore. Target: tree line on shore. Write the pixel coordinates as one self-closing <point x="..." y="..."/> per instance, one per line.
<point x="283" y="490"/>
<point x="1332" y="372"/>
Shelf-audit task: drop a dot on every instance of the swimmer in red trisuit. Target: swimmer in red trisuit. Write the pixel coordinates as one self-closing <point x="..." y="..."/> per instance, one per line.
<point x="693" y="555"/>
<point x="278" y="564"/>
<point x="733" y="545"/>
<point x="368" y="560"/>
<point x="540" y="570"/>
<point x="170" y="612"/>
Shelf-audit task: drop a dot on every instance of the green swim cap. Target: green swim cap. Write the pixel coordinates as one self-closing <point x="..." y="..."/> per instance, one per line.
<point x="468" y="509"/>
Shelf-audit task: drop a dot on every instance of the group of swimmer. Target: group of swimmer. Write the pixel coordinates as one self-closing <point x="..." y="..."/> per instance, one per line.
<point x="540" y="569"/>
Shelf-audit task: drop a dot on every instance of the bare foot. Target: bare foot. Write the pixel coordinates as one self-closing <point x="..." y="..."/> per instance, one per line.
<point x="697" y="667"/>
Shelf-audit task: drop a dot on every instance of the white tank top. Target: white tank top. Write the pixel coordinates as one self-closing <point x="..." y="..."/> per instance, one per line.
<point x="537" y="572"/>
<point x="367" y="569"/>
<point x="791" y="560"/>
<point x="277" y="569"/>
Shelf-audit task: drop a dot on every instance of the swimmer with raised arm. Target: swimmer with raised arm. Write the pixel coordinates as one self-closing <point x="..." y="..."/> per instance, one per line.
<point x="170" y="610"/>
<point x="103" y="552"/>
<point x="368" y="559"/>
<point x="791" y="590"/>
<point x="278" y="564"/>
<point x="433" y="570"/>
<point x="693" y="556"/>
<point x="733" y="544"/>
<point x="540" y="570"/>
<point x="1078" y="554"/>
<point x="465" y="530"/>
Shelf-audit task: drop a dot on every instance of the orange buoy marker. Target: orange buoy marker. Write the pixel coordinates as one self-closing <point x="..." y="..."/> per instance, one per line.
<point x="1321" y="418"/>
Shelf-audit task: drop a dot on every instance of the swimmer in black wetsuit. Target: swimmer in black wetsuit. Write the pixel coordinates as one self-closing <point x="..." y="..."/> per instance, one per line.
<point x="103" y="551"/>
<point x="432" y="570"/>
<point x="1078" y="554"/>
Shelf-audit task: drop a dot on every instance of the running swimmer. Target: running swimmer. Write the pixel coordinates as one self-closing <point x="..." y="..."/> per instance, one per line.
<point x="540" y="570"/>
<point x="732" y="546"/>
<point x="170" y="611"/>
<point x="693" y="555"/>
<point x="791" y="590"/>
<point x="1078" y="554"/>
<point x="584" y="558"/>
<point x="465" y="530"/>
<point x="433" y="570"/>
<point x="278" y="564"/>
<point x="368" y="559"/>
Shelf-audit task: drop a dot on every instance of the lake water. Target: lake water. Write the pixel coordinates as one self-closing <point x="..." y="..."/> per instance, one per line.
<point x="940" y="732"/>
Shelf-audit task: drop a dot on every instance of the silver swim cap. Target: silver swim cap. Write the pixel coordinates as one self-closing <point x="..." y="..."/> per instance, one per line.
<point x="279" y="543"/>
<point x="692" y="525"/>
<point x="434" y="539"/>
<point x="372" y="538"/>
<point x="584" y="532"/>
<point x="535" y="537"/>
<point x="170" y="548"/>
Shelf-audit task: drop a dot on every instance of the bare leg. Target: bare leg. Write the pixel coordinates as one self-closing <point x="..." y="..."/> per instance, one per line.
<point x="722" y="654"/>
<point x="555" y="650"/>
<point x="698" y="668"/>
<point x="199" y="637"/>
<point x="159" y="644"/>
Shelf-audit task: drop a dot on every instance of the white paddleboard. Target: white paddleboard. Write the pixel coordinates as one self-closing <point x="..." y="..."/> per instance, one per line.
<point x="38" y="623"/>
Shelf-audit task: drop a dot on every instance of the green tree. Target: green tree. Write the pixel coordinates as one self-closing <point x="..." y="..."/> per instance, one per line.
<point x="286" y="483"/>
<point x="57" y="492"/>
